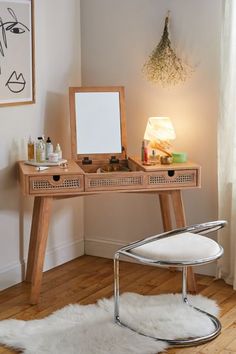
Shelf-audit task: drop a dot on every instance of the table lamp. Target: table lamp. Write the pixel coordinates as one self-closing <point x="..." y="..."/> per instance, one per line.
<point x="160" y="132"/>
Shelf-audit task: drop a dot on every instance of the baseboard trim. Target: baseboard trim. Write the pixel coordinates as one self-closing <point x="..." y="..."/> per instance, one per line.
<point x="11" y="275"/>
<point x="14" y="273"/>
<point x="63" y="253"/>
<point x="102" y="248"/>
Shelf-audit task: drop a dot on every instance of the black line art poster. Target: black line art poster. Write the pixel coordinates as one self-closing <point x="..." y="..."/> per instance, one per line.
<point x="16" y="52"/>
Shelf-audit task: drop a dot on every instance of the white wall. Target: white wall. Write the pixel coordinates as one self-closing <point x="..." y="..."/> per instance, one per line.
<point x="57" y="53"/>
<point x="117" y="37"/>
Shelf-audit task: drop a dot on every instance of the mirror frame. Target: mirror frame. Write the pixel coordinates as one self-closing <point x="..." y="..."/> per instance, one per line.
<point x="99" y="156"/>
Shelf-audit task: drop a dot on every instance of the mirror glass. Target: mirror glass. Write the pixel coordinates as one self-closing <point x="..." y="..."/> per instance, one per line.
<point x="98" y="122"/>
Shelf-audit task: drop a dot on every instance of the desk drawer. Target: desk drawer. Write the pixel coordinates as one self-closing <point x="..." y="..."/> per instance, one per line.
<point x="59" y="184"/>
<point x="172" y="179"/>
<point x="114" y="181"/>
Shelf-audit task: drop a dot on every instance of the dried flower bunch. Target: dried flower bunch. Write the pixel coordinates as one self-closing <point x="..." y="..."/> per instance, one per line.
<point x="163" y="65"/>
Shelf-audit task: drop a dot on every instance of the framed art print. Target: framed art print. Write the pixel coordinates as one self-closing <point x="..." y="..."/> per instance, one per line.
<point x="16" y="52"/>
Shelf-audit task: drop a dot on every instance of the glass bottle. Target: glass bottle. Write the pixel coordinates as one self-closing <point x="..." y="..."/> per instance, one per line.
<point x="58" y="151"/>
<point x="49" y="148"/>
<point x="30" y="148"/>
<point x="40" y="150"/>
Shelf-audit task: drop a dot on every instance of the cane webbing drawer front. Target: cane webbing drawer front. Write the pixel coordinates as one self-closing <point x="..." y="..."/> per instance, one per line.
<point x="173" y="179"/>
<point x="59" y="184"/>
<point x="113" y="181"/>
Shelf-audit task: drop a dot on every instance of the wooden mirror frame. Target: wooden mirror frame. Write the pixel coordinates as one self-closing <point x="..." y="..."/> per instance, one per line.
<point x="99" y="156"/>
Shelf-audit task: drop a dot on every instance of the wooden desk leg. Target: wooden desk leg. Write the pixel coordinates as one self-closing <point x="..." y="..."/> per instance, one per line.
<point x="38" y="243"/>
<point x="33" y="239"/>
<point x="165" y="211"/>
<point x="178" y="207"/>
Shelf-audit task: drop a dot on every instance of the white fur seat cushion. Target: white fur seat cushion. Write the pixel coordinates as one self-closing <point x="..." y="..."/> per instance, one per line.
<point x="182" y="247"/>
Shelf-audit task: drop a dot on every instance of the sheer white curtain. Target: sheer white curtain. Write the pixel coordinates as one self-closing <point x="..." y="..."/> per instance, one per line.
<point x="227" y="144"/>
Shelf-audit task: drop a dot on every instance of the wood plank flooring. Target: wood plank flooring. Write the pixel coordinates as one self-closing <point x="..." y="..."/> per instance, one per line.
<point x="87" y="279"/>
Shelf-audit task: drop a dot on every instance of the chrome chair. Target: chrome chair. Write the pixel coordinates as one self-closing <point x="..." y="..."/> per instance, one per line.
<point x="185" y="247"/>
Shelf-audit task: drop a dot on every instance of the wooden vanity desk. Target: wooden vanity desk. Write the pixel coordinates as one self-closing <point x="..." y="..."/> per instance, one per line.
<point x="167" y="181"/>
<point x="99" y="164"/>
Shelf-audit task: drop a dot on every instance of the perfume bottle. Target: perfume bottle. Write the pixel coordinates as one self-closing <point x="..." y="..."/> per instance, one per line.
<point x="144" y="152"/>
<point x="58" y="151"/>
<point x="30" y="148"/>
<point x="154" y="157"/>
<point x="49" y="148"/>
<point x="40" y="150"/>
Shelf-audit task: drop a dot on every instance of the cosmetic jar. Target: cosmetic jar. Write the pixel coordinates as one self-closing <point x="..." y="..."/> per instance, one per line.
<point x="53" y="157"/>
<point x="166" y="160"/>
<point x="179" y="157"/>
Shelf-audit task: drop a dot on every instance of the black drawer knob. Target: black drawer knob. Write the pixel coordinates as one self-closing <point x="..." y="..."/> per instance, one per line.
<point x="171" y="173"/>
<point x="56" y="178"/>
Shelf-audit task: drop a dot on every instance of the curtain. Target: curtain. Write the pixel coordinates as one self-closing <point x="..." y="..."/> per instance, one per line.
<point x="227" y="144"/>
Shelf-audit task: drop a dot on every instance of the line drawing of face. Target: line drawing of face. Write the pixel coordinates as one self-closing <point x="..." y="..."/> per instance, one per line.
<point x="16" y="82"/>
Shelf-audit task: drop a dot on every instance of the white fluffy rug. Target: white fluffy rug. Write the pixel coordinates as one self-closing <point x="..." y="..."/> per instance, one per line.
<point x="78" y="329"/>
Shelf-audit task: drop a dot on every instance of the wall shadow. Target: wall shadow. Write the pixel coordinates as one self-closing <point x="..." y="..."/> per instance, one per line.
<point x="57" y="121"/>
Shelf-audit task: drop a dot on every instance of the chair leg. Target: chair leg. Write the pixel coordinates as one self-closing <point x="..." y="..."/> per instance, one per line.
<point x="116" y="288"/>
<point x="184" y="285"/>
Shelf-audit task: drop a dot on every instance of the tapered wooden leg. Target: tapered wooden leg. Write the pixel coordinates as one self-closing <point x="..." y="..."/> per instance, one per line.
<point x="166" y="215"/>
<point x="38" y="243"/>
<point x="178" y="208"/>
<point x="165" y="211"/>
<point x="180" y="220"/>
<point x="33" y="239"/>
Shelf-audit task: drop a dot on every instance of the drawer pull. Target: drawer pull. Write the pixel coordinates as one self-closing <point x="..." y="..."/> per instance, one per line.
<point x="171" y="173"/>
<point x="56" y="178"/>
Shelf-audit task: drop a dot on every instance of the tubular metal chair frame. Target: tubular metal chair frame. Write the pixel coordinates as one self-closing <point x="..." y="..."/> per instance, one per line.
<point x="202" y="229"/>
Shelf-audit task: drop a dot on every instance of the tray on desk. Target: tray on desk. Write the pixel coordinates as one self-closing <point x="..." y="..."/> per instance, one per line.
<point x="45" y="163"/>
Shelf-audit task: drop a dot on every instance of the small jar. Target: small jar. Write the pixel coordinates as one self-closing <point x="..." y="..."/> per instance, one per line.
<point x="166" y="160"/>
<point x="58" y="151"/>
<point x="53" y="157"/>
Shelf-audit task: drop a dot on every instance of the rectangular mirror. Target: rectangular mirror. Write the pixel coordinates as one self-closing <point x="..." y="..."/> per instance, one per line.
<point x="97" y="122"/>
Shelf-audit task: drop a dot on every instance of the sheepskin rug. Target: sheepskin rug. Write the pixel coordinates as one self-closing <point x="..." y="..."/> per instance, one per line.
<point x="78" y="329"/>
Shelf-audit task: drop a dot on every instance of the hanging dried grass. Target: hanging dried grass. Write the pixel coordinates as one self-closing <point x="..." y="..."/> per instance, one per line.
<point x="163" y="65"/>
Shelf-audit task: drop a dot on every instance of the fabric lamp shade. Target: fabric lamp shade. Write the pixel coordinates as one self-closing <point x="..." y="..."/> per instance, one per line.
<point x="159" y="128"/>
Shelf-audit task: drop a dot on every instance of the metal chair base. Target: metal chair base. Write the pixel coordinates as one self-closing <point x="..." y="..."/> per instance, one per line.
<point x="180" y="342"/>
<point x="183" y="342"/>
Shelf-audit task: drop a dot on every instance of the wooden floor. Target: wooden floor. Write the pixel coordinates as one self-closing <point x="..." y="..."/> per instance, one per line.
<point x="87" y="279"/>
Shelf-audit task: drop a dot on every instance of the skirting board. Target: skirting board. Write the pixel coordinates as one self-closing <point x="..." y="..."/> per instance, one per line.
<point x="63" y="253"/>
<point x="107" y="248"/>
<point x="11" y="275"/>
<point x="14" y="273"/>
<point x="101" y="248"/>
